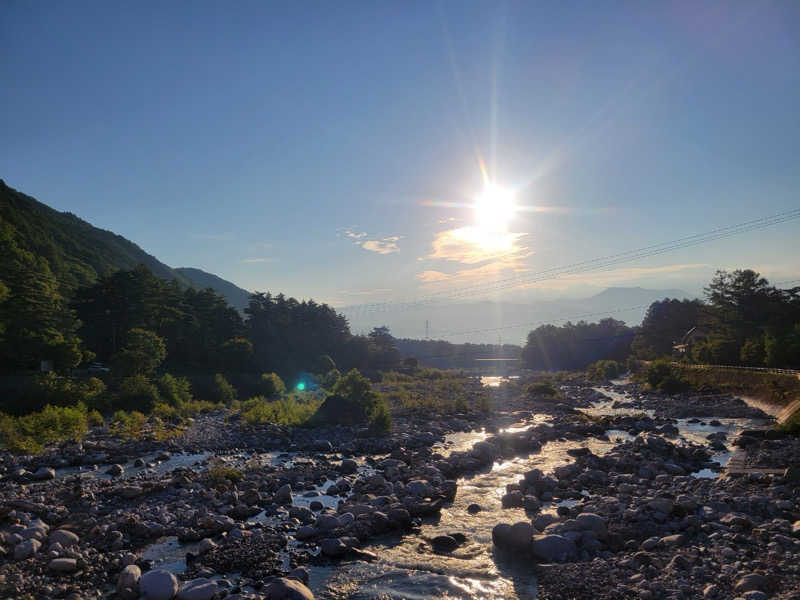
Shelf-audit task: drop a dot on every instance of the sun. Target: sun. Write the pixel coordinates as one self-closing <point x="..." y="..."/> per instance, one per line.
<point x="494" y="209"/>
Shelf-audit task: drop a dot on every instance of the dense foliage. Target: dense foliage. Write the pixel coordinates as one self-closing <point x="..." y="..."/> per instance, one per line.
<point x="574" y="346"/>
<point x="744" y="321"/>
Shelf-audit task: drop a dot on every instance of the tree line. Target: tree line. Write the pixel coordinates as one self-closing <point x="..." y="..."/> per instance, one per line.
<point x="743" y="320"/>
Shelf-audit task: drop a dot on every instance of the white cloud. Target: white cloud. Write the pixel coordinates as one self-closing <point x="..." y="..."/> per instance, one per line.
<point x="257" y="260"/>
<point x="386" y="245"/>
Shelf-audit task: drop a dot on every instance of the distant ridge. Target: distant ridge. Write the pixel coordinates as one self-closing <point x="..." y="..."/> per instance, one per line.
<point x="80" y="253"/>
<point x="236" y="296"/>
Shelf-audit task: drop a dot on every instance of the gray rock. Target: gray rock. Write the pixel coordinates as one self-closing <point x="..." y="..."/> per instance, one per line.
<point x="283" y="495"/>
<point x="158" y="585"/>
<point x="553" y="548"/>
<point x="419" y="488"/>
<point x="63" y="537"/>
<point x="301" y="574"/>
<point x="592" y="522"/>
<point x="348" y="466"/>
<point x="444" y="544"/>
<point x="750" y="582"/>
<point x="128" y="582"/>
<point x="198" y="589"/>
<point x="26" y="549"/>
<point x="44" y="474"/>
<point x="287" y="589"/>
<point x="333" y="547"/>
<point x="63" y="565"/>
<point x="115" y="470"/>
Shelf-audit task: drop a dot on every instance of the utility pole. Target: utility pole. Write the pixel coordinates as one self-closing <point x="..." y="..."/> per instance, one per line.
<point x="427" y="329"/>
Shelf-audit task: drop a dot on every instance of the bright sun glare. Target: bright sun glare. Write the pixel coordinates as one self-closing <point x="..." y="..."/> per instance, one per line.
<point x="494" y="209"/>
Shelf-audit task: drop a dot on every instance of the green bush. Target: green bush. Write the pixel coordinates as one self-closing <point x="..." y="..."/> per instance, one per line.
<point x="220" y="473"/>
<point x="174" y="390"/>
<point x="29" y="434"/>
<point x="285" y="411"/>
<point x="94" y="418"/>
<point x="128" y="425"/>
<point x="542" y="389"/>
<point x="222" y="392"/>
<point x="271" y="386"/>
<point x="381" y="419"/>
<point x="55" y="390"/>
<point x="603" y="370"/>
<point x="137" y="393"/>
<point x="662" y="375"/>
<point x="357" y="390"/>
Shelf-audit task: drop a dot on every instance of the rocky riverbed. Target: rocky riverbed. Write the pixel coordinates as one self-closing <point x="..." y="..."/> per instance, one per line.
<point x="608" y="492"/>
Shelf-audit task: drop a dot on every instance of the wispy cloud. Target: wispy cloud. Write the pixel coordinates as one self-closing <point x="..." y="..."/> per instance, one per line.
<point x="473" y="245"/>
<point x="217" y="237"/>
<point x="260" y="259"/>
<point x="385" y="245"/>
<point x="618" y="276"/>
<point x="365" y="292"/>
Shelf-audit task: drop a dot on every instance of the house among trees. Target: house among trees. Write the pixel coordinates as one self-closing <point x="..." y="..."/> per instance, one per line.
<point x="698" y="333"/>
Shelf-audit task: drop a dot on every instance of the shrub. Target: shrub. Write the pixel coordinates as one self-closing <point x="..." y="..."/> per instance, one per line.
<point x="128" y="425"/>
<point x="61" y="391"/>
<point x="271" y="386"/>
<point x="222" y="391"/>
<point x="381" y="419"/>
<point x="220" y="473"/>
<point x="357" y="390"/>
<point x="663" y="376"/>
<point x="30" y="433"/>
<point x="174" y="390"/>
<point x="94" y="418"/>
<point x="285" y="411"/>
<point x="137" y="393"/>
<point x="603" y="370"/>
<point x="542" y="389"/>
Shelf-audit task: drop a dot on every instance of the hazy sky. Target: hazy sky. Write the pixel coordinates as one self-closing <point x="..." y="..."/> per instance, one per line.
<point x="333" y="149"/>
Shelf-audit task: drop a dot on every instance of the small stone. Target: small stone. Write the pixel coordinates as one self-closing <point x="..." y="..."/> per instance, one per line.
<point x="444" y="544"/>
<point x="63" y="565"/>
<point x="750" y="582"/>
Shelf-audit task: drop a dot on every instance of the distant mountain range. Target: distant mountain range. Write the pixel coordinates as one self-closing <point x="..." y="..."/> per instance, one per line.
<point x="79" y="253"/>
<point x="509" y="322"/>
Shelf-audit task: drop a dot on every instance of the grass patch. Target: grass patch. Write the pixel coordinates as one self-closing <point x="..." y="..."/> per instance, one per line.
<point x="290" y="410"/>
<point x="29" y="434"/>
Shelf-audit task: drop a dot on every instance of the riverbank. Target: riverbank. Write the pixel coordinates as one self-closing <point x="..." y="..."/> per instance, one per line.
<point x="612" y="492"/>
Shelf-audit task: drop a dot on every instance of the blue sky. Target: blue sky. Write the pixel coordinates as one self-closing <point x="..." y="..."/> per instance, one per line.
<point x="332" y="150"/>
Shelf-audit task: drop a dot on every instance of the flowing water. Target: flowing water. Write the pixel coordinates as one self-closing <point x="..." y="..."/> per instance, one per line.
<point x="407" y="568"/>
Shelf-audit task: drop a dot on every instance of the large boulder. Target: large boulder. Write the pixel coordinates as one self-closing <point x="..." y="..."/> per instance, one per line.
<point x="284" y="588"/>
<point x="338" y="410"/>
<point x="128" y="582"/>
<point x="63" y="537"/>
<point x="592" y="522"/>
<point x="158" y="585"/>
<point x="198" y="589"/>
<point x="553" y="548"/>
<point x="283" y="495"/>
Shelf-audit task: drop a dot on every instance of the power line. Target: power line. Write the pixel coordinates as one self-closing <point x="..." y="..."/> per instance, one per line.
<point x="587" y="265"/>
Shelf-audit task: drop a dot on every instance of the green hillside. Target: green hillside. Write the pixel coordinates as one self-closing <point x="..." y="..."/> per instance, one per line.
<point x="77" y="252"/>
<point x="236" y="296"/>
